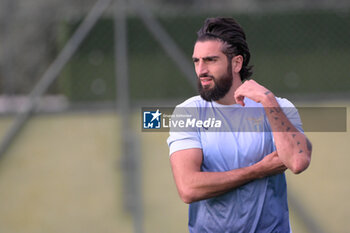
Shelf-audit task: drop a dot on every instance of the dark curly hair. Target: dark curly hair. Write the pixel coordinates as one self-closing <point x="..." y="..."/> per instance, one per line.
<point x="233" y="37"/>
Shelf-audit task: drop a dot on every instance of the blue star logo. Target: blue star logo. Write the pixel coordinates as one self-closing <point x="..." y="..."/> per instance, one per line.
<point x="151" y="119"/>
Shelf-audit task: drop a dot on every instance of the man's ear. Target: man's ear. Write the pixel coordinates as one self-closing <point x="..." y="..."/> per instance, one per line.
<point x="237" y="63"/>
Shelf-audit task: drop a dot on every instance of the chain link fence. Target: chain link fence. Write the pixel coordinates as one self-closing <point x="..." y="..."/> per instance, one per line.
<point x="294" y="50"/>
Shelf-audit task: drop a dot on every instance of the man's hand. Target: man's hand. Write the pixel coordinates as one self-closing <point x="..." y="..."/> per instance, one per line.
<point x="270" y="165"/>
<point x="252" y="90"/>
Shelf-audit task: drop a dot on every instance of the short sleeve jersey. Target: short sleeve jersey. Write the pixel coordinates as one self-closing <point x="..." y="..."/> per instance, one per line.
<point x="258" y="206"/>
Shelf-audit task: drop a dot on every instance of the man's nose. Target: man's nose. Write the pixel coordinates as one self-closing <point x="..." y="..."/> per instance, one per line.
<point x="202" y="68"/>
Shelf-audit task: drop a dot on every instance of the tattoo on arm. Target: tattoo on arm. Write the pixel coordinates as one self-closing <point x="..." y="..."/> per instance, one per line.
<point x="268" y="92"/>
<point x="278" y="110"/>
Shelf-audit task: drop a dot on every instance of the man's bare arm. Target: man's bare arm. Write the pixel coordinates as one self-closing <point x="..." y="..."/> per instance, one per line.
<point x="292" y="146"/>
<point x="194" y="184"/>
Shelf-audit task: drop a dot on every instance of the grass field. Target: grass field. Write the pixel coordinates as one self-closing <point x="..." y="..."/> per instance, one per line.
<point x="63" y="174"/>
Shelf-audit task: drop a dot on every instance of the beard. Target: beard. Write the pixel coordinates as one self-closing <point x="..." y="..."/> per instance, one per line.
<point x="221" y="87"/>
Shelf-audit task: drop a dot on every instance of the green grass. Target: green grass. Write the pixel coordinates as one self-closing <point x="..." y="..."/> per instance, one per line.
<point x="61" y="175"/>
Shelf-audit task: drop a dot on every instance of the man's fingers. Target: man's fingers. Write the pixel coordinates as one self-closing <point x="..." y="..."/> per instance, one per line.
<point x="274" y="163"/>
<point x="238" y="97"/>
<point x="239" y="100"/>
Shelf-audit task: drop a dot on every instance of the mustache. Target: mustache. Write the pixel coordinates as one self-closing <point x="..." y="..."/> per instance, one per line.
<point x="206" y="76"/>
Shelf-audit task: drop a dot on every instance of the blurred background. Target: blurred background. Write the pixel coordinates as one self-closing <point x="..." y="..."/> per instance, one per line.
<point x="75" y="74"/>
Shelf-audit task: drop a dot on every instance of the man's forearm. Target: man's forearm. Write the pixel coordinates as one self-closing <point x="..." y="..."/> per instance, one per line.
<point x="292" y="146"/>
<point x="194" y="185"/>
<point x="204" y="185"/>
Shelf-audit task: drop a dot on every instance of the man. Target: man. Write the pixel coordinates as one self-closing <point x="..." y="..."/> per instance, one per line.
<point x="234" y="180"/>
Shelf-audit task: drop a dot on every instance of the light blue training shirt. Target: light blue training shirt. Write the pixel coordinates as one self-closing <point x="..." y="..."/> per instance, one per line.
<point x="243" y="139"/>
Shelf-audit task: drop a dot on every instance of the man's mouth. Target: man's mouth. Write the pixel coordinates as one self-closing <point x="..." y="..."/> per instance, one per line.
<point x="206" y="81"/>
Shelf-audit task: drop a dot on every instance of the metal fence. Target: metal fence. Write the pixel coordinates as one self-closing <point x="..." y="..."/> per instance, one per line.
<point x="289" y="57"/>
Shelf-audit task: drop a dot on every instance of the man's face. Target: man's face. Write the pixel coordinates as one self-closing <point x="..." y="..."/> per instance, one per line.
<point x="213" y="70"/>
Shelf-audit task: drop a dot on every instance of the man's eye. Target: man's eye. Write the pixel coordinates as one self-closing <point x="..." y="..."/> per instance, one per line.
<point x="211" y="59"/>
